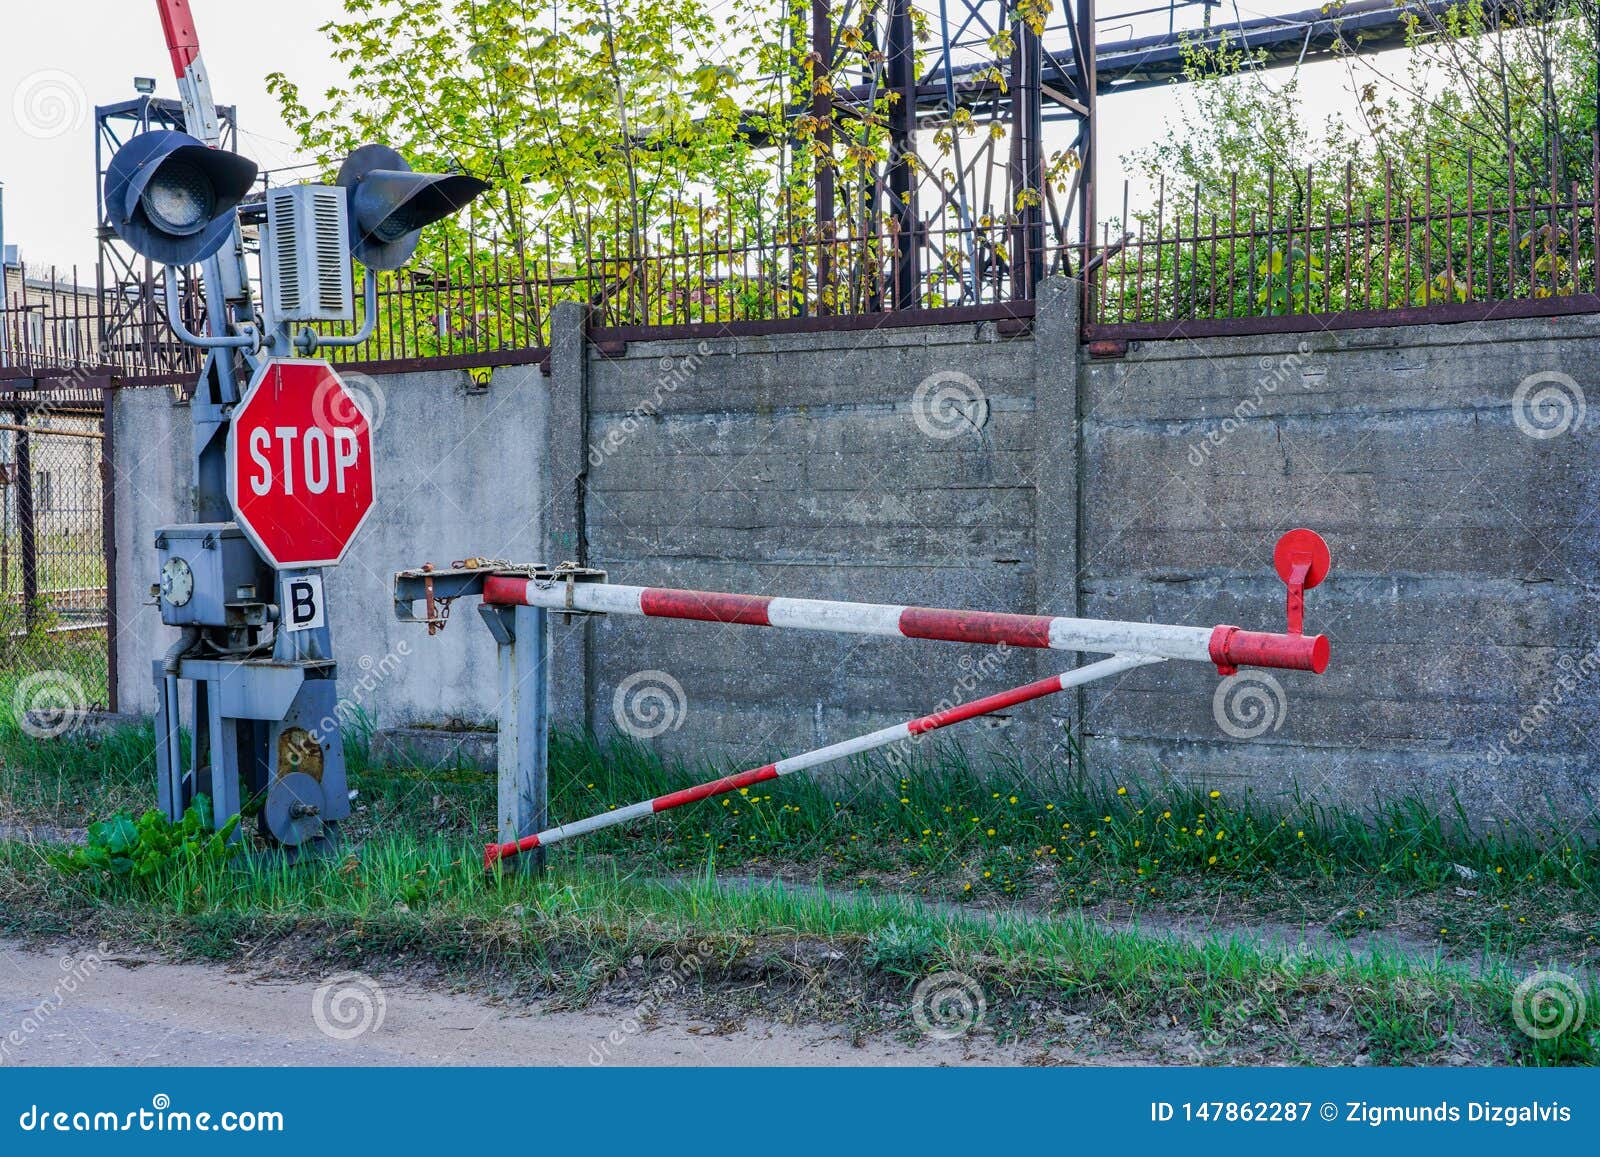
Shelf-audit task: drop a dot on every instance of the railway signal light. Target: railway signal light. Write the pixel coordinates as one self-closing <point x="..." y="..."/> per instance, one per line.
<point x="171" y="198"/>
<point x="390" y="205"/>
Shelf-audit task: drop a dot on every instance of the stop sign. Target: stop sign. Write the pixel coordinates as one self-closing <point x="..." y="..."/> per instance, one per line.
<point x="300" y="463"/>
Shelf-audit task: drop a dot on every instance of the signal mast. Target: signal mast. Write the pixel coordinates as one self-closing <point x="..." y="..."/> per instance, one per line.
<point x="242" y="575"/>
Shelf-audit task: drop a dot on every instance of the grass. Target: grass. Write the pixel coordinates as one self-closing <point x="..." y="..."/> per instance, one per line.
<point x="808" y="956"/>
<point x="995" y="833"/>
<point x="1013" y="878"/>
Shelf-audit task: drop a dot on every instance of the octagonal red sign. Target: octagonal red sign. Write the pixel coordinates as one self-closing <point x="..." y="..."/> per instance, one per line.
<point x="300" y="477"/>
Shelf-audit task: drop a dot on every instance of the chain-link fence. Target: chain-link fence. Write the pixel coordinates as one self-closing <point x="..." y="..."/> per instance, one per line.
<point x="54" y="599"/>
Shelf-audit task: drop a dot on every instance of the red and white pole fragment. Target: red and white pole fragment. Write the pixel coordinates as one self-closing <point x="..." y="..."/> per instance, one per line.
<point x="194" y="84"/>
<point x="881" y="738"/>
<point x="200" y="121"/>
<point x="1227" y="646"/>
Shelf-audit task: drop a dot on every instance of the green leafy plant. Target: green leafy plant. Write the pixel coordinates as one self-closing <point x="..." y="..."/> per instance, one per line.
<point x="152" y="846"/>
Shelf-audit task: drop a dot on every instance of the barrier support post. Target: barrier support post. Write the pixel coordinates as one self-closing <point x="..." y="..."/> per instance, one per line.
<point x="523" y="638"/>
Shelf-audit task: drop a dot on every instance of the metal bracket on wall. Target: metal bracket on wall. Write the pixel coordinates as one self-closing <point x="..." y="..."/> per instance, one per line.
<point x="437" y="588"/>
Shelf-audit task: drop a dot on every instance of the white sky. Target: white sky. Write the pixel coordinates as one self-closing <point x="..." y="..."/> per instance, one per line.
<point x="87" y="52"/>
<point x="58" y="60"/>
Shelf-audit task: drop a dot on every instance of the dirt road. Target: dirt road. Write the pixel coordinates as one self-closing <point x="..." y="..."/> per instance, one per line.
<point x="82" y="1008"/>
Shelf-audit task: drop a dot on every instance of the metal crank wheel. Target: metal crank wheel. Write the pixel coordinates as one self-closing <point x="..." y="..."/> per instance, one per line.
<point x="293" y="813"/>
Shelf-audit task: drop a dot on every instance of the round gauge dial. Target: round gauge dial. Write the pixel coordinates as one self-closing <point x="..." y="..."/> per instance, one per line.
<point x="177" y="582"/>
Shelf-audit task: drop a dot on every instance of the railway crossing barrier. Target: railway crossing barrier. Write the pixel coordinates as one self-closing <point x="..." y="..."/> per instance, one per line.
<point x="516" y="601"/>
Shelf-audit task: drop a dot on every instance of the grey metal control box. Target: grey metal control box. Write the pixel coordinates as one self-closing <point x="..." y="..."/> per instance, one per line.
<point x="211" y="577"/>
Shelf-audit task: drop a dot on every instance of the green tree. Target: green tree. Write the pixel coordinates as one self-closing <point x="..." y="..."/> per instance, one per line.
<point x="1406" y="201"/>
<point x="594" y="120"/>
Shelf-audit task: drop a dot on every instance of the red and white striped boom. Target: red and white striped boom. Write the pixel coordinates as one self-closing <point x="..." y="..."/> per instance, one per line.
<point x="881" y="738"/>
<point x="1301" y="559"/>
<point x="1227" y="646"/>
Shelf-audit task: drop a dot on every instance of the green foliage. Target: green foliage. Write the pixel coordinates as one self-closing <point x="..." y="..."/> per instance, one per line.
<point x="151" y="848"/>
<point x="1289" y="284"/>
<point x="594" y="119"/>
<point x="621" y="143"/>
<point x="903" y="947"/>
<point x="1403" y="201"/>
<point x="584" y="920"/>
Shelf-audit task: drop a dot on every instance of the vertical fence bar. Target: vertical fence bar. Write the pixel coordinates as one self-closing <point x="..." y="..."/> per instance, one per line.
<point x="1427" y="227"/>
<point x="1194" y="253"/>
<point x="1160" y="228"/>
<point x="27" y="528"/>
<point x="1594" y="210"/>
<point x="1511" y="220"/>
<point x="1388" y="228"/>
<point x="822" y="117"/>
<point x="1309" y="211"/>
<point x="1349" y="226"/>
<point x="1471" y="244"/>
<point x="1272" y="242"/>
<point x="108" y="542"/>
<point x="1233" y="243"/>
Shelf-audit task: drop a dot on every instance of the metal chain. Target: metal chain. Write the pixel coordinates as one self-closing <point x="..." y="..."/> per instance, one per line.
<point x="557" y="573"/>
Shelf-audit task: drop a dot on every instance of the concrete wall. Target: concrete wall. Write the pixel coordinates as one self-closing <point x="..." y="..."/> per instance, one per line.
<point x="1464" y="596"/>
<point x="795" y="465"/>
<point x="460" y="471"/>
<point x="958" y="466"/>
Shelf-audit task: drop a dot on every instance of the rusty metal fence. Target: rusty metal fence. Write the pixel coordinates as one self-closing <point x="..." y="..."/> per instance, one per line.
<point x="1305" y="249"/>
<point x="1257" y="251"/>
<point x="493" y="297"/>
<point x="55" y="598"/>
